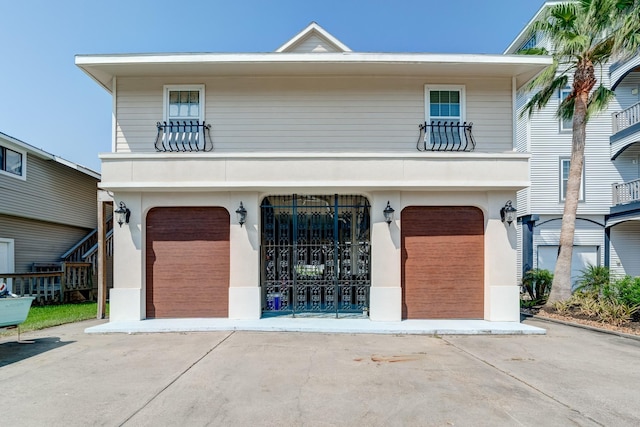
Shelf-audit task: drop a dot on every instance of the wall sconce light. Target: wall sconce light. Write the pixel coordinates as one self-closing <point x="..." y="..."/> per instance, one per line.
<point x="122" y="214"/>
<point x="241" y="212"/>
<point x="508" y="213"/>
<point x="388" y="214"/>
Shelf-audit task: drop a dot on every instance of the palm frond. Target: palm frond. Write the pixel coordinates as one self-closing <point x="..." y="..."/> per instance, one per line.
<point x="566" y="108"/>
<point x="599" y="100"/>
<point x="541" y="98"/>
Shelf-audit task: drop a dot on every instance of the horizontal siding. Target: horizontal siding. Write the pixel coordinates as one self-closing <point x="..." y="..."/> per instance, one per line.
<point x="51" y="192"/>
<point x="547" y="233"/>
<point x="38" y="241"/>
<point x="625" y="249"/>
<point x="310" y="44"/>
<point x="311" y="114"/>
<point x="548" y="145"/>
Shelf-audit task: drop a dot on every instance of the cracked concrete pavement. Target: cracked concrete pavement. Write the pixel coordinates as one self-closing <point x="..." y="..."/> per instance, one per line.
<point x="570" y="376"/>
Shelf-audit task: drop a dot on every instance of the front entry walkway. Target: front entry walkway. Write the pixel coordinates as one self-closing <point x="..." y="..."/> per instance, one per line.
<point x="348" y="326"/>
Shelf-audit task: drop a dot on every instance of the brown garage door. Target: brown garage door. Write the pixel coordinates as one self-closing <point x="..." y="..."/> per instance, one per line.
<point x="187" y="262"/>
<point x="442" y="263"/>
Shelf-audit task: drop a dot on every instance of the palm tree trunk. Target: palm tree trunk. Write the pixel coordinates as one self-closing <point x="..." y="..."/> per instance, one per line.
<point x="584" y="80"/>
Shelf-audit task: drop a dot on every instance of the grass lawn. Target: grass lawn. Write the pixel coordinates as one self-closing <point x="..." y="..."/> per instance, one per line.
<point x="54" y="315"/>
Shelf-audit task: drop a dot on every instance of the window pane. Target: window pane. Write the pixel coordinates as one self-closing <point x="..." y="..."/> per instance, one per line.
<point x="184" y="97"/>
<point x="1" y="158"/>
<point x="173" y="110"/>
<point x="194" y="111"/>
<point x="13" y="162"/>
<point x="455" y="97"/>
<point x="455" y="110"/>
<point x="173" y="97"/>
<point x="434" y="97"/>
<point x="434" y="110"/>
<point x="184" y="110"/>
<point x="444" y="110"/>
<point x="194" y="97"/>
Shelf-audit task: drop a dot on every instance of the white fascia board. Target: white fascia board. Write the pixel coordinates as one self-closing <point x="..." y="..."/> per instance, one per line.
<point x="525" y="31"/>
<point x="40" y="153"/>
<point x="314" y="27"/>
<point x="340" y="57"/>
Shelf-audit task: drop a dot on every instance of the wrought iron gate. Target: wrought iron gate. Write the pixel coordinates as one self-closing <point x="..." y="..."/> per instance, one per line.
<point x="315" y="254"/>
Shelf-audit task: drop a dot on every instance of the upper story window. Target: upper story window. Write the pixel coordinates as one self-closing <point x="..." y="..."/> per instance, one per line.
<point x="566" y="125"/>
<point x="11" y="162"/>
<point x="529" y="44"/>
<point x="565" y="164"/>
<point x="184" y="103"/>
<point x="444" y="105"/>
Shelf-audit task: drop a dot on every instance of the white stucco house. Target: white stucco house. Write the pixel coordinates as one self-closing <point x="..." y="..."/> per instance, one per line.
<point x="314" y="179"/>
<point x="608" y="217"/>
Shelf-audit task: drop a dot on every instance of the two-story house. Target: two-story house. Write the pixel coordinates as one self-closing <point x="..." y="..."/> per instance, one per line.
<point x="47" y="205"/>
<point x="607" y="225"/>
<point x="313" y="179"/>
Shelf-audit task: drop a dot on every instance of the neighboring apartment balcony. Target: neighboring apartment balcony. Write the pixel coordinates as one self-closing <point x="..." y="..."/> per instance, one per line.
<point x="626" y="202"/>
<point x="626" y="130"/>
<point x="626" y="193"/>
<point x="335" y="171"/>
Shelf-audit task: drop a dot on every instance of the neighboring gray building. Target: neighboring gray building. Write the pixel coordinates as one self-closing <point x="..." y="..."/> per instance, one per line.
<point x="608" y="217"/>
<point x="47" y="205"/>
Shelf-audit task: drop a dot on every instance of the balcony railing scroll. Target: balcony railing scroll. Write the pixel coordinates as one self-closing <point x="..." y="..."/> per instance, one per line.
<point x="626" y="192"/>
<point x="446" y="136"/>
<point x="183" y="136"/>
<point x="626" y="118"/>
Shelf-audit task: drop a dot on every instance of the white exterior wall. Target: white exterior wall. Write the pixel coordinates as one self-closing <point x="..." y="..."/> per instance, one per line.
<point x="501" y="287"/>
<point x="625" y="249"/>
<point x="331" y="114"/>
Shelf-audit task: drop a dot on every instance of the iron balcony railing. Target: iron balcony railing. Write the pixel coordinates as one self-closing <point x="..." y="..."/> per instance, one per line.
<point x="183" y="136"/>
<point x="626" y="118"/>
<point x="626" y="192"/>
<point x="446" y="136"/>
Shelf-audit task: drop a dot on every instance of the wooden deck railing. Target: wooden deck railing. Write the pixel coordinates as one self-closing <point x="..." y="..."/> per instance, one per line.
<point x="52" y="286"/>
<point x="626" y="192"/>
<point x="626" y="118"/>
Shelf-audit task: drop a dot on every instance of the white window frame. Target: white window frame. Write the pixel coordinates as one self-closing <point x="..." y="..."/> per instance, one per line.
<point x="23" y="172"/>
<point x="427" y="103"/>
<point x="567" y="161"/>
<point x="169" y="88"/>
<point x="562" y="94"/>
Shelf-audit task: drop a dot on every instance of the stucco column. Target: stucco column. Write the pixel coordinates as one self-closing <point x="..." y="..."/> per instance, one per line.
<point x="386" y="293"/>
<point x="244" y="278"/>
<point x="502" y="295"/>
<point x="126" y="301"/>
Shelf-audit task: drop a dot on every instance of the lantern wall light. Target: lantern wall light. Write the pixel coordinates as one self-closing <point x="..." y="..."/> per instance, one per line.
<point x="122" y="214"/>
<point x="388" y="214"/>
<point x="241" y="213"/>
<point x="508" y="213"/>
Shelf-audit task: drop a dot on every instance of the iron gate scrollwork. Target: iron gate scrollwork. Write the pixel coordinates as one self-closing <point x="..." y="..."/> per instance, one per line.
<point x="316" y="254"/>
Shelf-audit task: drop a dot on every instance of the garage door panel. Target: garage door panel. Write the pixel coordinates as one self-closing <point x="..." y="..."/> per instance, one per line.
<point x="443" y="262"/>
<point x="187" y="262"/>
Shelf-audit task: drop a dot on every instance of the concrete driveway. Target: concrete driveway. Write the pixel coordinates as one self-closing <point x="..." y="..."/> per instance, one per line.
<point x="570" y="376"/>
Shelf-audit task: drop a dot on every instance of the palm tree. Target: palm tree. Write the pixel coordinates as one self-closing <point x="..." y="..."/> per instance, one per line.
<point x="585" y="35"/>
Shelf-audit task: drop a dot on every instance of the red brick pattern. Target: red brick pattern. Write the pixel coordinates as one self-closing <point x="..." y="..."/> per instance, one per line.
<point x="442" y="262"/>
<point x="187" y="265"/>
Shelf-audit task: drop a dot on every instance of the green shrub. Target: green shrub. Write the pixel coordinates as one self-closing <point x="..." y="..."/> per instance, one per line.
<point x="627" y="291"/>
<point x="594" y="278"/>
<point x="537" y="283"/>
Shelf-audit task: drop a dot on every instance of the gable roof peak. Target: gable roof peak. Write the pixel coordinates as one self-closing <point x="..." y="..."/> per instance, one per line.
<point x="320" y="40"/>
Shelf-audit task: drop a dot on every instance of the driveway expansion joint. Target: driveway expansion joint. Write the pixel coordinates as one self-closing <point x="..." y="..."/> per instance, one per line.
<point x="531" y="386"/>
<point x="180" y="375"/>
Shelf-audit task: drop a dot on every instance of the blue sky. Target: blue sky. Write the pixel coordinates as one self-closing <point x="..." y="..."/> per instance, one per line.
<point x="49" y="103"/>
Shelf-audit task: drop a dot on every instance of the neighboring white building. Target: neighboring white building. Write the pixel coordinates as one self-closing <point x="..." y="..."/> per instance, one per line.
<point x="607" y="225"/>
<point x="316" y="142"/>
